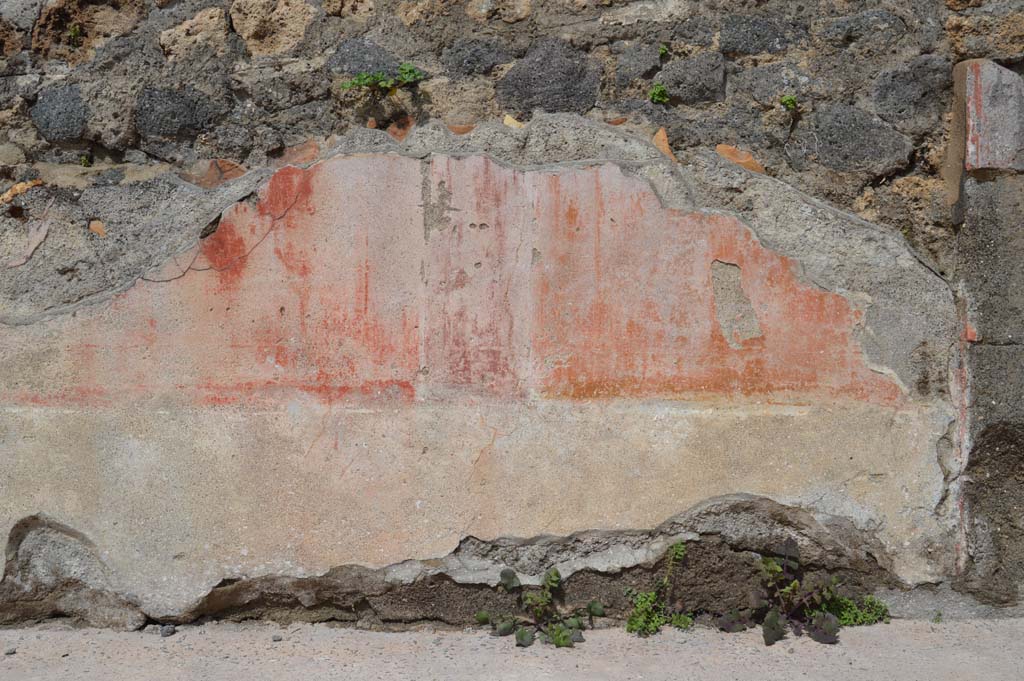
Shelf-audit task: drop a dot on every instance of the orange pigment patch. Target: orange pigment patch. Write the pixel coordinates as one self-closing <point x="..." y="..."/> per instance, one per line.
<point x="225" y="251"/>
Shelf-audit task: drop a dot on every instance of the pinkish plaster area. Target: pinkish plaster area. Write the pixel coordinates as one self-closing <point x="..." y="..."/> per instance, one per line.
<point x="368" y="278"/>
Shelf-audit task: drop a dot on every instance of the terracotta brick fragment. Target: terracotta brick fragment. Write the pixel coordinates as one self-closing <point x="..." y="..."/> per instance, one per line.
<point x="739" y="157"/>
<point x="660" y="140"/>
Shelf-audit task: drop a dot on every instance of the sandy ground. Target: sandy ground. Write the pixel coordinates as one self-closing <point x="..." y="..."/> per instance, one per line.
<point x="992" y="650"/>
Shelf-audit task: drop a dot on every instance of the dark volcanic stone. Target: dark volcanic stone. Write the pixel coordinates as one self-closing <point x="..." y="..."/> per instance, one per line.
<point x="170" y="113"/>
<point x="696" y="30"/>
<point x="697" y="79"/>
<point x="60" y="114"/>
<point x="912" y="98"/>
<point x="877" y="26"/>
<point x="473" y="56"/>
<point x="849" y="139"/>
<point x="766" y="84"/>
<point x="743" y="34"/>
<point x="359" y="55"/>
<point x="635" y="61"/>
<point x="553" y="77"/>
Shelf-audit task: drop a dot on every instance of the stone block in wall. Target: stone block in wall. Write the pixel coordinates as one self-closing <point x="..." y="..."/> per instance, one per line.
<point x="997" y="373"/>
<point x="991" y="254"/>
<point x="993" y="97"/>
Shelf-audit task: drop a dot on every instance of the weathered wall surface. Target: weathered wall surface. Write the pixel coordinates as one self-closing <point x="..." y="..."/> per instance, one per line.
<point x="273" y="347"/>
<point x="391" y="365"/>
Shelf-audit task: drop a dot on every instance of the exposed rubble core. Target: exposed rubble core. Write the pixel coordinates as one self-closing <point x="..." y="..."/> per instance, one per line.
<point x="53" y="570"/>
<point x="994" y="499"/>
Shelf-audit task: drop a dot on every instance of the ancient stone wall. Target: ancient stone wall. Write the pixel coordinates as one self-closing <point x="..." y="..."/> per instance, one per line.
<point x="279" y="341"/>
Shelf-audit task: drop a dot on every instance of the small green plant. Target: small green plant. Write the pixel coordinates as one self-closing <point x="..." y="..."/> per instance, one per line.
<point x="650" y="611"/>
<point x="659" y="94"/>
<point x="380" y="81"/>
<point x="938" y="617"/>
<point x="544" y="618"/>
<point x="851" y="613"/>
<point x="505" y="626"/>
<point x="525" y="637"/>
<point x="680" y="620"/>
<point x="648" y="614"/>
<point x="75" y="35"/>
<point x="789" y="102"/>
<point x="559" y="636"/>
<point x="663" y="50"/>
<point x="85" y="161"/>
<point x="509" y="581"/>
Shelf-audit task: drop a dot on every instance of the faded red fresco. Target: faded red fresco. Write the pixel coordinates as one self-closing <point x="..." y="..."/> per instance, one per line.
<point x="626" y="305"/>
<point x="372" y="277"/>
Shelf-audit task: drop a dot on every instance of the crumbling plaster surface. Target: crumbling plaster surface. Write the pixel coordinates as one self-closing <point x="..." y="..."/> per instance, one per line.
<point x="406" y="345"/>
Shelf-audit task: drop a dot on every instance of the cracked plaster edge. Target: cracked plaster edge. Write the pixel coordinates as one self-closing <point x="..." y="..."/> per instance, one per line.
<point x="623" y="550"/>
<point x="675" y="179"/>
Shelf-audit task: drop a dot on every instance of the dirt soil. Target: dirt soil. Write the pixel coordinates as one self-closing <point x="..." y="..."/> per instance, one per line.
<point x="905" y="650"/>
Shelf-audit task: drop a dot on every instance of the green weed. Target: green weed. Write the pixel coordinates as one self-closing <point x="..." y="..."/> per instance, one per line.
<point x="650" y="611"/>
<point x="659" y="94"/>
<point x="407" y="75"/>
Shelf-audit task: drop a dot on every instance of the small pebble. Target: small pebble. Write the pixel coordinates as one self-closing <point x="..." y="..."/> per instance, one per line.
<point x="276" y="638"/>
<point x="167" y="630"/>
<point x="10" y="651"/>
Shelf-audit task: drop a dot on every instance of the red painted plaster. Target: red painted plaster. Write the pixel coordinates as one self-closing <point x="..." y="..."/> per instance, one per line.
<point x="574" y="284"/>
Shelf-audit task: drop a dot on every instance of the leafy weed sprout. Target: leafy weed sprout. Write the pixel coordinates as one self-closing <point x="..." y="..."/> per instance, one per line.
<point x="803" y="604"/>
<point x="380" y="81"/>
<point x="659" y="94"/>
<point x="650" y="611"/>
<point x="546" y="621"/>
<point x="75" y="35"/>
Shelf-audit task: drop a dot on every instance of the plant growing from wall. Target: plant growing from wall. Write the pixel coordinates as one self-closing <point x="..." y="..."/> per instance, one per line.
<point x="75" y="34"/>
<point x="650" y="608"/>
<point x="407" y="75"/>
<point x="792" y="106"/>
<point x="659" y="94"/>
<point x="543" y="618"/>
<point x="791" y="600"/>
